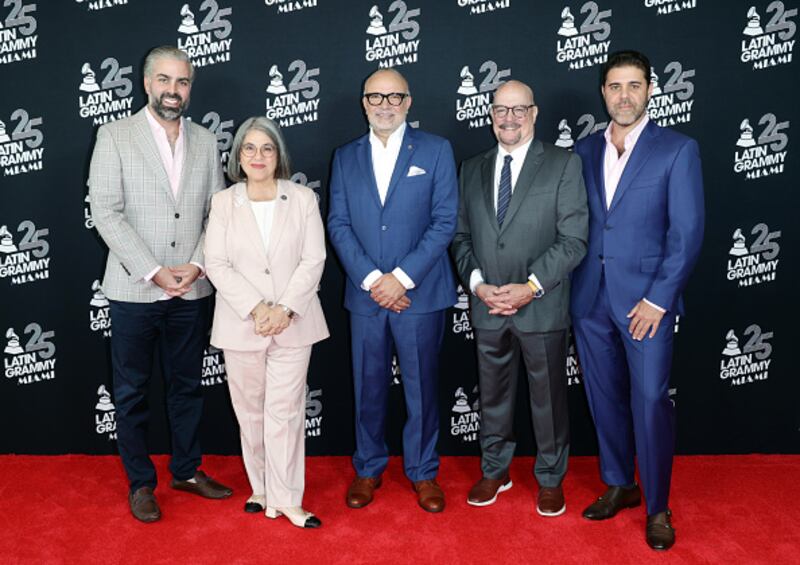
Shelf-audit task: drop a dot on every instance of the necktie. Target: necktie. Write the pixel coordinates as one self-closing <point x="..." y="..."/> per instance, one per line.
<point x="504" y="190"/>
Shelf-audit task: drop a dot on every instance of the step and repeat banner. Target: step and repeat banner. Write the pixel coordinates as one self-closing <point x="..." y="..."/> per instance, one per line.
<point x="725" y="75"/>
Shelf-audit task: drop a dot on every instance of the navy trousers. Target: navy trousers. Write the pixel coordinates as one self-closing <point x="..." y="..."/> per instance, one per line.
<point x="178" y="328"/>
<point x="417" y="339"/>
<point x="627" y="385"/>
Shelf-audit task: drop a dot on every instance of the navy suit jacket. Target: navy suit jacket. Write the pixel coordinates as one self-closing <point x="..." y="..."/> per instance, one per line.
<point x="650" y="237"/>
<point x="411" y="230"/>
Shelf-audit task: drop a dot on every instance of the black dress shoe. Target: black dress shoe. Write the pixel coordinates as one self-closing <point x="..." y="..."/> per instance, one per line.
<point x="143" y="505"/>
<point x="659" y="533"/>
<point x="612" y="501"/>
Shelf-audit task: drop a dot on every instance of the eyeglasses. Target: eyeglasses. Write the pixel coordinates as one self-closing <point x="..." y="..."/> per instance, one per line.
<point x="394" y="98"/>
<point x="267" y="150"/>
<point x="518" y="111"/>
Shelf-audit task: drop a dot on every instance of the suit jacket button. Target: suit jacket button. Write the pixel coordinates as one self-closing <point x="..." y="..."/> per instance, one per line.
<point x="384" y="228"/>
<point x="283" y="197"/>
<point x="266" y="271"/>
<point x="501" y="245"/>
<point x="177" y="215"/>
<point x="172" y="244"/>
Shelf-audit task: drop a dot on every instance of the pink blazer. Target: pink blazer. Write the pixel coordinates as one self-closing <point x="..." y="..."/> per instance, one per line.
<point x="245" y="273"/>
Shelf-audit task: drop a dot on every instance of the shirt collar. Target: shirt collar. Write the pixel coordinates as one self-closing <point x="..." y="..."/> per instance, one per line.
<point x="633" y="135"/>
<point x="518" y="153"/>
<point x="157" y="127"/>
<point x="395" y="139"/>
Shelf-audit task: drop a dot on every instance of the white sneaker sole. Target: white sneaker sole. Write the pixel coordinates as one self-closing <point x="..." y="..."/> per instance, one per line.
<point x="503" y="488"/>
<point x="551" y="514"/>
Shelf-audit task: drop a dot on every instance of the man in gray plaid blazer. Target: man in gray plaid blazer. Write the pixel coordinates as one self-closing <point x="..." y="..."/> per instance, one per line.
<point x="151" y="180"/>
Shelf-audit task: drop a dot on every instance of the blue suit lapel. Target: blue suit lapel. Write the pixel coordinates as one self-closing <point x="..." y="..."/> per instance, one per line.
<point x="401" y="165"/>
<point x="641" y="152"/>
<point x="599" y="156"/>
<point x="367" y="171"/>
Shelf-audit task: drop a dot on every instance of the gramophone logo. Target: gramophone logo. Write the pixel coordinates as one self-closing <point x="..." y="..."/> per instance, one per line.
<point x="288" y="6"/>
<point x="18" y="35"/>
<point x="461" y="321"/>
<point x="109" y="99"/>
<point x="484" y="6"/>
<point x="771" y="44"/>
<point x="465" y="417"/>
<point x="33" y="362"/>
<point x="99" y="315"/>
<point x="764" y="155"/>
<point x="297" y="102"/>
<point x="474" y="101"/>
<point x="587" y="124"/>
<point x="313" y="424"/>
<point x="757" y="264"/>
<point x="585" y="45"/>
<point x="664" y="7"/>
<point x="21" y="149"/>
<point x="749" y="362"/>
<point x="26" y="260"/>
<point x="210" y="42"/>
<point x="673" y="95"/>
<point x="394" y="41"/>
<point x="105" y="422"/>
<point x="94" y="5"/>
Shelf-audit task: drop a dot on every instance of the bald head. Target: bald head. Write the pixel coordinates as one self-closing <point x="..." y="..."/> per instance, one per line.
<point x="383" y="75"/>
<point x="385" y="117"/>
<point x="513" y="114"/>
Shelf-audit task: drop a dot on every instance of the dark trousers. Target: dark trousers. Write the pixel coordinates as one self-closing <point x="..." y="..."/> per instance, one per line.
<point x="417" y="339"/>
<point x="545" y="357"/>
<point x="627" y="385"/>
<point x="178" y="328"/>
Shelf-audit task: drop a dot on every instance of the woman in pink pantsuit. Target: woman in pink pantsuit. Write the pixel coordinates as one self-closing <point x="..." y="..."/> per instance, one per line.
<point x="265" y="252"/>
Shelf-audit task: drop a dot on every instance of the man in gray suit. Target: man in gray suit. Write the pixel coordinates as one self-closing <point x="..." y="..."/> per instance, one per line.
<point x="151" y="180"/>
<point x="522" y="228"/>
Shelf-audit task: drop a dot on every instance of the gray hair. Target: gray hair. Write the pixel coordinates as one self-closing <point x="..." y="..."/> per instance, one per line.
<point x="273" y="131"/>
<point x="166" y="52"/>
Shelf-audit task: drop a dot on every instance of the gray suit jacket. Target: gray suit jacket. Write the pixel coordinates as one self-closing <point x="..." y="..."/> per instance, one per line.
<point x="136" y="213"/>
<point x="544" y="233"/>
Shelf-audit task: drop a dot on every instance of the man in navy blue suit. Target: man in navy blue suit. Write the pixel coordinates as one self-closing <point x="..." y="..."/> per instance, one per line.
<point x="393" y="210"/>
<point x="646" y="215"/>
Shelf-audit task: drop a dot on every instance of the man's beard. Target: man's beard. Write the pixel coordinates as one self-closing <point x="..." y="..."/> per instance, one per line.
<point x="165" y="112"/>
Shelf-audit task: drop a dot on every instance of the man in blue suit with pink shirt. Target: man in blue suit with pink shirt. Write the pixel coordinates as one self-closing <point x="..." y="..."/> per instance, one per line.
<point x="393" y="211"/>
<point x="646" y="215"/>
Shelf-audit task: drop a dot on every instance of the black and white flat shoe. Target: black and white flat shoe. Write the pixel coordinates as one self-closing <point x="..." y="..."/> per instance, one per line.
<point x="296" y="515"/>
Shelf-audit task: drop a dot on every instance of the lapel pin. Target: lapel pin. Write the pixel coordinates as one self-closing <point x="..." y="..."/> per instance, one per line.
<point x="283" y="197"/>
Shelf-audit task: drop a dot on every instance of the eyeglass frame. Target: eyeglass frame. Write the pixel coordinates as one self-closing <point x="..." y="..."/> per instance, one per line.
<point x="402" y="95"/>
<point x="513" y="109"/>
<point x="271" y="150"/>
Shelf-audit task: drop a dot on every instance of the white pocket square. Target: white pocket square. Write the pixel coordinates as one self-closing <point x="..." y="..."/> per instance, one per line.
<point x="414" y="171"/>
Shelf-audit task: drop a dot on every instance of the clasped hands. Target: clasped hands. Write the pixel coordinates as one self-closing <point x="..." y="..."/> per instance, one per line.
<point x="176" y="281"/>
<point x="504" y="300"/>
<point x="269" y="320"/>
<point x="389" y="293"/>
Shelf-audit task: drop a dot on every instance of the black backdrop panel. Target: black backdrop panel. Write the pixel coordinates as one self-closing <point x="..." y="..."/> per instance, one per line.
<point x="726" y="77"/>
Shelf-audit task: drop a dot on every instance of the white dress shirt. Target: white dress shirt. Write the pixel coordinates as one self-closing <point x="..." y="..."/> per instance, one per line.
<point x="614" y="165"/>
<point x="517" y="160"/>
<point x="384" y="158"/>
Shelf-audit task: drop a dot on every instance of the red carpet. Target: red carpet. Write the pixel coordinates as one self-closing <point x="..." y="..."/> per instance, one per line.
<point x="73" y="509"/>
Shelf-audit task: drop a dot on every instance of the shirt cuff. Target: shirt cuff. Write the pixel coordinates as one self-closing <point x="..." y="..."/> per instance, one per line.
<point x="404" y="279"/>
<point x="656" y="306"/>
<point x="535" y="281"/>
<point x="475" y="278"/>
<point x="202" y="274"/>
<point x="151" y="274"/>
<point x="370" y="279"/>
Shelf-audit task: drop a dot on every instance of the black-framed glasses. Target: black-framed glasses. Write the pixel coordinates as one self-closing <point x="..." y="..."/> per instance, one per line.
<point x="518" y="111"/>
<point x="267" y="150"/>
<point x="394" y="98"/>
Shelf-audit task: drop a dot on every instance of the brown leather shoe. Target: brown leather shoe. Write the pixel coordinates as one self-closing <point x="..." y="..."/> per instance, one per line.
<point x="659" y="533"/>
<point x="204" y="486"/>
<point x="485" y="491"/>
<point x="429" y="495"/>
<point x="143" y="505"/>
<point x="361" y="490"/>
<point x="612" y="501"/>
<point x="550" y="501"/>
